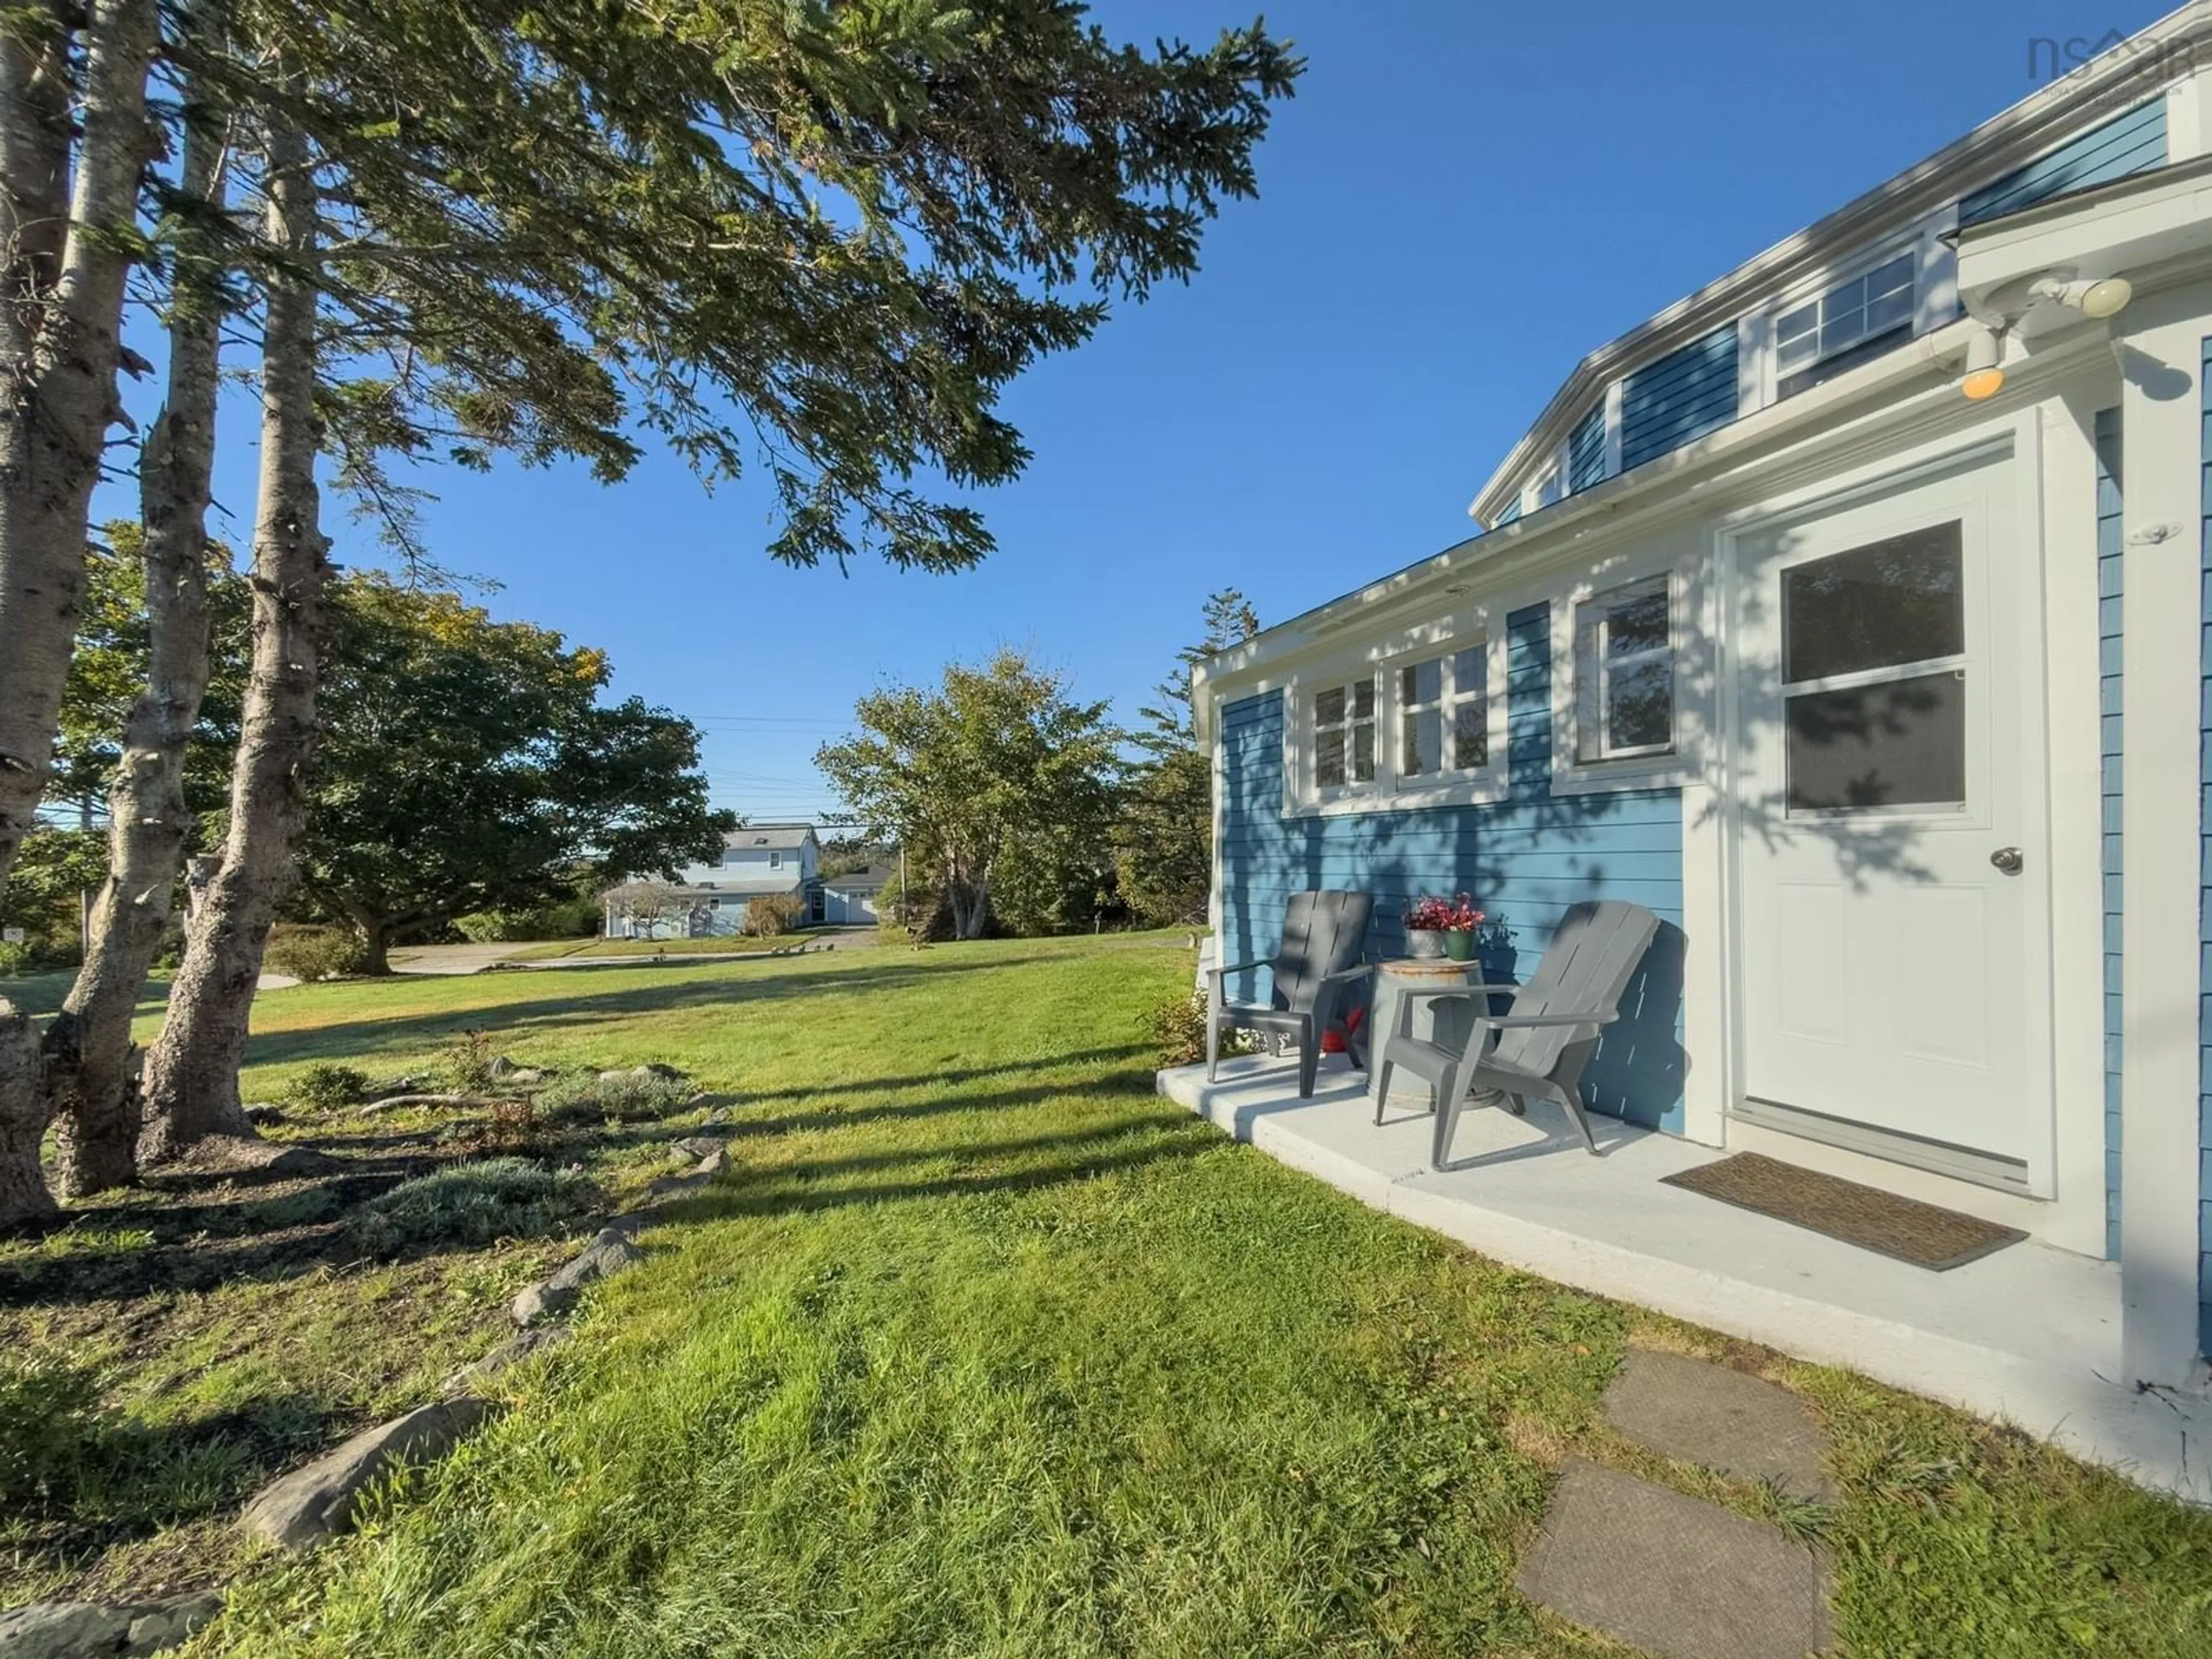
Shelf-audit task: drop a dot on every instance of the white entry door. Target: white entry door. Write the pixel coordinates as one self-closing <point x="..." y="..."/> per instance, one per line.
<point x="1888" y="849"/>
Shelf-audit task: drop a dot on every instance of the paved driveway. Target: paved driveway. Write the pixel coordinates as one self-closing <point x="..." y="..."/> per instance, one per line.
<point x="449" y="958"/>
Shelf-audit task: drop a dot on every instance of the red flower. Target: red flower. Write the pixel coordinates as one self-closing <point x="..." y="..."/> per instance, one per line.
<point x="1433" y="914"/>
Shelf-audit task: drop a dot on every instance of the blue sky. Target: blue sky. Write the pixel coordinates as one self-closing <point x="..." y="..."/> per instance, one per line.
<point x="1460" y="201"/>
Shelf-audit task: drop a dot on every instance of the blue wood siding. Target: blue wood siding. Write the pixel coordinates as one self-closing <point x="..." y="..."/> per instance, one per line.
<point x="1524" y="859"/>
<point x="2110" y="664"/>
<point x="1506" y="514"/>
<point x="1586" y="451"/>
<point x="2127" y="143"/>
<point x="1683" y="395"/>
<point x="2204" y="860"/>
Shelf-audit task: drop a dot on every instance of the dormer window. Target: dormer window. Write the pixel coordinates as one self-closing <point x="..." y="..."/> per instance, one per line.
<point x="1551" y="485"/>
<point x="1851" y="322"/>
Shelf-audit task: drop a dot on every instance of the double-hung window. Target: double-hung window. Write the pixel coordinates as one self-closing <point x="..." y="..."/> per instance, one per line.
<point x="1344" y="734"/>
<point x="1624" y="673"/>
<point x="1851" y="322"/>
<point x="1443" y="714"/>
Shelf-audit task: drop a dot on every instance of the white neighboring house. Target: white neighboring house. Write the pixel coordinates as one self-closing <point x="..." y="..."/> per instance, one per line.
<point x="852" y="898"/>
<point x="760" y="861"/>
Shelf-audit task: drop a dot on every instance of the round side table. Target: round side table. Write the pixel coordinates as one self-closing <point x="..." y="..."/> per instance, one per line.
<point x="1392" y="981"/>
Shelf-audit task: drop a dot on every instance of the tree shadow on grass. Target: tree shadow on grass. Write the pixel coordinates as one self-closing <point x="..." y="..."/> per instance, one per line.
<point x="108" y="1478"/>
<point x="938" y="1079"/>
<point x="1082" y="1158"/>
<point x="584" y="1008"/>
<point x="743" y="1131"/>
<point x="292" y="1230"/>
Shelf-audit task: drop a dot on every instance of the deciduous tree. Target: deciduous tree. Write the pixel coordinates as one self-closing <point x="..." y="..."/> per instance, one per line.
<point x="996" y="776"/>
<point x="466" y="765"/>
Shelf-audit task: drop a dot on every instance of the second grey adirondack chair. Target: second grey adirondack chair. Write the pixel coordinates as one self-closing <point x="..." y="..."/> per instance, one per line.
<point x="1324" y="935"/>
<point x="1543" y="1045"/>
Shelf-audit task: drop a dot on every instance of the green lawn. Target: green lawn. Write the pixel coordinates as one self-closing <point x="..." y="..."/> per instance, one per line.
<point x="981" y="1348"/>
<point x="556" y="949"/>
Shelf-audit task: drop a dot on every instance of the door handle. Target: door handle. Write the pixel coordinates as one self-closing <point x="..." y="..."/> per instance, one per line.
<point x="2008" y="859"/>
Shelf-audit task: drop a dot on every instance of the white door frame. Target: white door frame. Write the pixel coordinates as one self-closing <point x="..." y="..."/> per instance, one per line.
<point x="2019" y="438"/>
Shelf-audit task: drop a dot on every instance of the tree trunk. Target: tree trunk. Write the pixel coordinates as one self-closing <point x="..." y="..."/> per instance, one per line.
<point x="375" y="946"/>
<point x="148" y="820"/>
<point x="59" y="354"/>
<point x="191" y="1076"/>
<point x="34" y="152"/>
<point x="23" y="1112"/>
<point x="971" y="906"/>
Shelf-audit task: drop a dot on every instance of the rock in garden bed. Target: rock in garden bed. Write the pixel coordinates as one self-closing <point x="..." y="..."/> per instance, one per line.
<point x="524" y="1345"/>
<point x="300" y="1510"/>
<point x="81" y="1629"/>
<point x="608" y="1253"/>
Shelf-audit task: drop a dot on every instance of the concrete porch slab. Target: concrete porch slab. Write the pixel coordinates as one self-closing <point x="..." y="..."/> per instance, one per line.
<point x="2029" y="1335"/>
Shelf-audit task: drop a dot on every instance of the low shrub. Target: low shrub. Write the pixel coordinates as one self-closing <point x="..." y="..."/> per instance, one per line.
<point x="49" y="1425"/>
<point x="765" y="918"/>
<point x="1178" y="1025"/>
<point x="14" y="958"/>
<point x="324" y="1086"/>
<point x="310" y="954"/>
<point x="473" y="1062"/>
<point x="476" y="1203"/>
<point x="570" y="918"/>
<point x="629" y="1096"/>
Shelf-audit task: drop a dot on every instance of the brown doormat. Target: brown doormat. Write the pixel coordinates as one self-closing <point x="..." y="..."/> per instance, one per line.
<point x="1925" y="1235"/>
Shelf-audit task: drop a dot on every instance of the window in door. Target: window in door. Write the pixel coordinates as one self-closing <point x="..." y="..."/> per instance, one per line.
<point x="1874" y="672"/>
<point x="1624" y="673"/>
<point x="1344" y="735"/>
<point x="1443" y="714"/>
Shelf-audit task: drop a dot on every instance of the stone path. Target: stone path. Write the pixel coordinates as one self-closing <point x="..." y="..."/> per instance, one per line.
<point x="1681" y="1577"/>
<point x="1699" y="1413"/>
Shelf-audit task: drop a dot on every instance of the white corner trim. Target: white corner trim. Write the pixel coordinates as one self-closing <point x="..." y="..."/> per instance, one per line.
<point x="2161" y="608"/>
<point x="2075" y="878"/>
<point x="2185" y="118"/>
<point x="1709" y="952"/>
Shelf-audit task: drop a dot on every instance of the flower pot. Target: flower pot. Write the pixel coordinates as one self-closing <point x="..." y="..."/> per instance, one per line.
<point x="1460" y="947"/>
<point x="1424" y="942"/>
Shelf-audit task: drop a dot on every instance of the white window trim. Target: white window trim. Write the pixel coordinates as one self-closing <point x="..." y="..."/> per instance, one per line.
<point x="1759" y="365"/>
<point x="1608" y="665"/>
<point x="1351" y="788"/>
<point x="1691" y="641"/>
<point x="1384" y="658"/>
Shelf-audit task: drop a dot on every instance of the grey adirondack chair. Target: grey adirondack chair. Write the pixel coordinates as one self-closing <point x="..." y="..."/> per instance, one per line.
<point x="1324" y="935"/>
<point x="1541" y="1047"/>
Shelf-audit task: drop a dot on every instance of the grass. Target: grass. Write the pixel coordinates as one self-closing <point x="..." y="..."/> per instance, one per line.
<point x="723" y="945"/>
<point x="978" y="1347"/>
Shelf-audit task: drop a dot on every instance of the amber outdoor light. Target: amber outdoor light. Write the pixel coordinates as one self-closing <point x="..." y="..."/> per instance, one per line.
<point x="1985" y="377"/>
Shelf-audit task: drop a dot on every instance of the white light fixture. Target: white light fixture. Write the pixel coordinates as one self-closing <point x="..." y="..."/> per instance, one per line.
<point x="2108" y="298"/>
<point x="2104" y="298"/>
<point x="1986" y="376"/>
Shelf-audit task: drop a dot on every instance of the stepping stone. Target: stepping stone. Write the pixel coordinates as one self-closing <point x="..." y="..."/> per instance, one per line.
<point x="1705" y="1413"/>
<point x="1677" y="1576"/>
